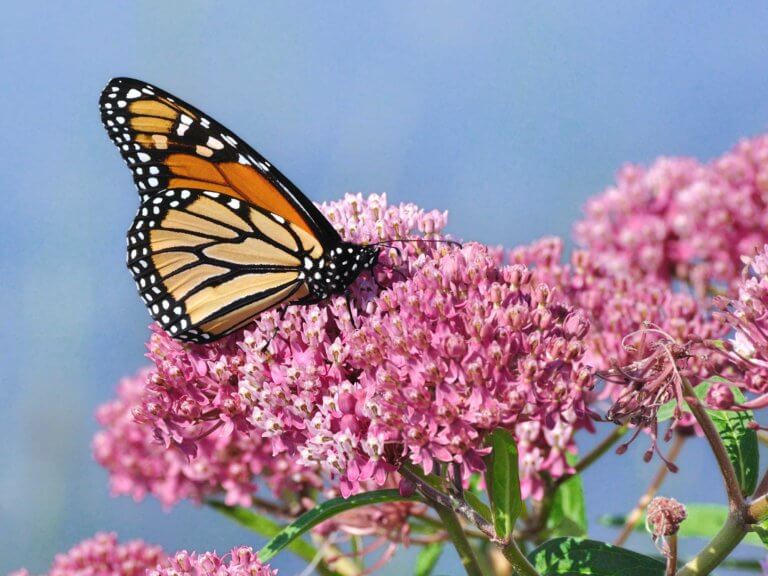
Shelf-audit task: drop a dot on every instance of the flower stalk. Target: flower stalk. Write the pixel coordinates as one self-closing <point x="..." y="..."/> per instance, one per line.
<point x="731" y="481"/>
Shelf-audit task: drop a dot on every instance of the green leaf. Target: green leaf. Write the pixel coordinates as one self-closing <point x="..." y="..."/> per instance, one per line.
<point x="323" y="512"/>
<point x="427" y="559"/>
<point x="480" y="507"/>
<point x="503" y="481"/>
<point x="576" y="556"/>
<point x="740" y="441"/>
<point x="703" y="521"/>
<point x="667" y="410"/>
<point x="568" y="515"/>
<point x="263" y="526"/>
<point x="760" y="532"/>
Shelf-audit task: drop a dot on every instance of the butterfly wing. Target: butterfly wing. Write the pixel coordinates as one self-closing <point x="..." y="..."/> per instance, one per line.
<point x="206" y="263"/>
<point x="168" y="143"/>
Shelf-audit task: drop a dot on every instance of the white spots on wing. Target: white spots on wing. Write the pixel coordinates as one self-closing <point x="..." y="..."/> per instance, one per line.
<point x="185" y="119"/>
<point x="185" y="194"/>
<point x="157" y="200"/>
<point x="153" y="182"/>
<point x="308" y="263"/>
<point x="174" y="203"/>
<point x="143" y="157"/>
<point x="234" y="203"/>
<point x="182" y="129"/>
<point x="205" y="122"/>
<point x="122" y="103"/>
<point x="243" y="160"/>
<point x="214" y="143"/>
<point x="278" y="218"/>
<point x="229" y="140"/>
<point x="211" y="194"/>
<point x="133" y="93"/>
<point x="177" y="310"/>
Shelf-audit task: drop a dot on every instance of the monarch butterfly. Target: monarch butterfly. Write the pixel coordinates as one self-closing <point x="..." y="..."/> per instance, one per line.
<point x="221" y="235"/>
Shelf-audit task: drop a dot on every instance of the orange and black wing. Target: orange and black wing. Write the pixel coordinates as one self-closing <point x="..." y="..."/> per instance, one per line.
<point x="206" y="263"/>
<point x="168" y="143"/>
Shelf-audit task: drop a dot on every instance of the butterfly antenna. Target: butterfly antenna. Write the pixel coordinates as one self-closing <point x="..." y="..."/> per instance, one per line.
<point x="348" y="300"/>
<point x="388" y="243"/>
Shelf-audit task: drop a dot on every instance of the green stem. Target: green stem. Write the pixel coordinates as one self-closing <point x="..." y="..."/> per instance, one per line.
<point x="731" y="481"/>
<point x="456" y="532"/>
<point x="718" y="549"/>
<point x="735" y="527"/>
<point x="518" y="560"/>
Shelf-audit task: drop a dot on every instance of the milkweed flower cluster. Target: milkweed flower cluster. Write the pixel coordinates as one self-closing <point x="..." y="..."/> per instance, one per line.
<point x="645" y="337"/>
<point x="682" y="219"/>
<point x="747" y="351"/>
<point x="103" y="555"/>
<point x="618" y="304"/>
<point x="461" y="347"/>
<point x="226" y="461"/>
<point x="239" y="562"/>
<point x="454" y="345"/>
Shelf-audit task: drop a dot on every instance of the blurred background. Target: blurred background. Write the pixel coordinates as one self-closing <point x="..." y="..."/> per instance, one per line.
<point x="508" y="116"/>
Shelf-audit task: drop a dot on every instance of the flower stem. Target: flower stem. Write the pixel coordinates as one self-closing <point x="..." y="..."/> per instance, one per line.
<point x="518" y="560"/>
<point x="718" y="548"/>
<point x="458" y="505"/>
<point x="732" y="488"/>
<point x="447" y="505"/>
<point x="735" y="527"/>
<point x="671" y="555"/>
<point x="637" y="512"/>
<point x="456" y="532"/>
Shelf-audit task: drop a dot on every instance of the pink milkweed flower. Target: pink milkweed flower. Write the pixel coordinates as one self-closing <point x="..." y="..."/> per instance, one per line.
<point x="224" y="463"/>
<point x="654" y="378"/>
<point x="681" y="219"/>
<point x="747" y="315"/>
<point x="238" y="562"/>
<point x="103" y="555"/>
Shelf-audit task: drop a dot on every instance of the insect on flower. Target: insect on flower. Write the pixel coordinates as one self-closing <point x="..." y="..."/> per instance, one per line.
<point x="221" y="235"/>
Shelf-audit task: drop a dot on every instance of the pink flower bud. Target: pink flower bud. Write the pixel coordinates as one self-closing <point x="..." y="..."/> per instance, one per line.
<point x="664" y="516"/>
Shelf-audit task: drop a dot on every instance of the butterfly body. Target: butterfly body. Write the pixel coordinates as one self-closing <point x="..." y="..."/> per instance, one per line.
<point x="221" y="235"/>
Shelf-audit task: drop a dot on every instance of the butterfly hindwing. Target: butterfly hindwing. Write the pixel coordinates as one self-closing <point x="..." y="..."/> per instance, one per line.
<point x="206" y="263"/>
<point x="168" y="143"/>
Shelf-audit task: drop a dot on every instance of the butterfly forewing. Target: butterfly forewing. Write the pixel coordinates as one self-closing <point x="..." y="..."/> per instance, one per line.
<point x="168" y="143"/>
<point x="205" y="263"/>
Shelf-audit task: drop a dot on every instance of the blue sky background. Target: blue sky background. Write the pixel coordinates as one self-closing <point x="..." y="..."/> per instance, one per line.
<point x="507" y="115"/>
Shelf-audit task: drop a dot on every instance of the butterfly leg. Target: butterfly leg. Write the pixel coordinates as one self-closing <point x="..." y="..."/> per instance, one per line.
<point x="281" y="316"/>
<point x="348" y="300"/>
